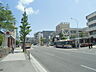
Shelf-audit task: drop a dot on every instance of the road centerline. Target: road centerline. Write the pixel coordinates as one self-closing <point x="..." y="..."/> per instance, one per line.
<point x="87" y="67"/>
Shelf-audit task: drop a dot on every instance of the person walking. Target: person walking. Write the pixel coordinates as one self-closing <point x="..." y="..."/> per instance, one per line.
<point x="13" y="49"/>
<point x="91" y="45"/>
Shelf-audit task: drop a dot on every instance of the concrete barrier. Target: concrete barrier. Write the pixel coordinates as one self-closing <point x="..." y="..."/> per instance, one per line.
<point x="4" y="51"/>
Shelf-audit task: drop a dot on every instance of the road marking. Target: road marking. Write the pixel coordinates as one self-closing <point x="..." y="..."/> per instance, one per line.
<point x="64" y="49"/>
<point x="84" y="52"/>
<point x="49" y="54"/>
<point x="88" y="67"/>
<point x="38" y="67"/>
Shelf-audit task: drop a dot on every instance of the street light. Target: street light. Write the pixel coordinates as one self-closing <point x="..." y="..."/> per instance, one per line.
<point x="77" y="31"/>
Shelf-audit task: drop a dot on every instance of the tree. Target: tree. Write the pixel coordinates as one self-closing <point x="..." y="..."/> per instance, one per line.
<point x="1" y="39"/>
<point x="24" y="29"/>
<point x="7" y="20"/>
<point x="41" y="41"/>
<point x="17" y="42"/>
<point x="62" y="37"/>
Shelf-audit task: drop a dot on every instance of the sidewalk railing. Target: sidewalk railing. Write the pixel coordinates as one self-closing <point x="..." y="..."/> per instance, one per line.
<point x="4" y="51"/>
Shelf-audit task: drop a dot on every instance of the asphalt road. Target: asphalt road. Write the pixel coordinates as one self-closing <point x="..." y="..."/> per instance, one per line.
<point x="65" y="60"/>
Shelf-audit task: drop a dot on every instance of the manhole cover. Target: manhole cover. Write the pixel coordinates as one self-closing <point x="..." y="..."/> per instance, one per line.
<point x="1" y="69"/>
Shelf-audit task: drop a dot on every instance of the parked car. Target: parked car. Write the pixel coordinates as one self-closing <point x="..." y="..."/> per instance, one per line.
<point x="85" y="44"/>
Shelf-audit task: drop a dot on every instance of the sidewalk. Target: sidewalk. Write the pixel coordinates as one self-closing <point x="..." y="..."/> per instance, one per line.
<point x="16" y="62"/>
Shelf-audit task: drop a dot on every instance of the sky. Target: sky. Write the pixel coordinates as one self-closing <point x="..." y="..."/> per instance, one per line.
<point x="46" y="14"/>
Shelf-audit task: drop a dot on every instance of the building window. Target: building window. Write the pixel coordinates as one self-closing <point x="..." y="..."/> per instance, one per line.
<point x="92" y="18"/>
<point x="73" y="31"/>
<point x="92" y="25"/>
<point x="93" y="33"/>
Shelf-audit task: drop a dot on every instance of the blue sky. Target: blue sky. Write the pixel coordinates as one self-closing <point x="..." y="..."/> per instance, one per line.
<point x="46" y="14"/>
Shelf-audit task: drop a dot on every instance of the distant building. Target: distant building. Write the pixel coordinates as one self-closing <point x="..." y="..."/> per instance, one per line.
<point x="17" y="36"/>
<point x="37" y="37"/>
<point x="62" y="26"/>
<point x="44" y="34"/>
<point x="28" y="39"/>
<point x="68" y="32"/>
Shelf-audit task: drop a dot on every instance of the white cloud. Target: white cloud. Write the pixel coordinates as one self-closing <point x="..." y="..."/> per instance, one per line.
<point x="23" y="3"/>
<point x="20" y="7"/>
<point x="29" y="11"/>
<point x="26" y="1"/>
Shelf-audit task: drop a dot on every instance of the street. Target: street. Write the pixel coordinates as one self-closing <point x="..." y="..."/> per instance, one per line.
<point x="65" y="60"/>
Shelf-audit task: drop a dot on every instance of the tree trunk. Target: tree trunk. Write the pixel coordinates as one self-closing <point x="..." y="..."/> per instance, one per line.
<point x="24" y="45"/>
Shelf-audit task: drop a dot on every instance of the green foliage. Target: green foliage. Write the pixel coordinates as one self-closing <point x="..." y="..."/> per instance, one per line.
<point x="17" y="42"/>
<point x="81" y="34"/>
<point x="6" y="18"/>
<point x="42" y="40"/>
<point x="62" y="37"/>
<point x="1" y="39"/>
<point x="73" y="36"/>
<point x="24" y="29"/>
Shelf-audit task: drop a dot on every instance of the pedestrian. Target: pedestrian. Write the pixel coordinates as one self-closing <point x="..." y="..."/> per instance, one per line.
<point x="12" y="49"/>
<point x="89" y="45"/>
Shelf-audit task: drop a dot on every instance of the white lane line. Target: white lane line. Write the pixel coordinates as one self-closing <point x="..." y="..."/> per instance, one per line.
<point x="88" y="67"/>
<point x="84" y="52"/>
<point x="38" y="67"/>
<point x="49" y="54"/>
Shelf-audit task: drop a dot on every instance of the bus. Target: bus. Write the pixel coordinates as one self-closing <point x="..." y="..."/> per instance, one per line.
<point x="64" y="44"/>
<point x="28" y="45"/>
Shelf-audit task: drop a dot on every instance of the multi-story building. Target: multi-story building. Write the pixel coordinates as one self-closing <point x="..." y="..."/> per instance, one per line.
<point x="37" y="37"/>
<point x="28" y="39"/>
<point x="62" y="26"/>
<point x="44" y="34"/>
<point x="68" y="32"/>
<point x="91" y="23"/>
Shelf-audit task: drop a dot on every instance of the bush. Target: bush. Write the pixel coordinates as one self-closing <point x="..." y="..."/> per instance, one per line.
<point x="1" y="39"/>
<point x="17" y="42"/>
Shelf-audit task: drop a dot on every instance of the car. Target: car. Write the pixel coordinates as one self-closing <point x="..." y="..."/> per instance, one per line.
<point x="85" y="44"/>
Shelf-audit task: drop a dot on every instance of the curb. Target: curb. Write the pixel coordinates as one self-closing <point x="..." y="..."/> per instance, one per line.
<point x="37" y="66"/>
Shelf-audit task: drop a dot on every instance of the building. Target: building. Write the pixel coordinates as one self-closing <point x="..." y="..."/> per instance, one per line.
<point x="69" y="33"/>
<point x="62" y="26"/>
<point x="91" y="23"/>
<point x="44" y="34"/>
<point x="37" y="37"/>
<point x="28" y="39"/>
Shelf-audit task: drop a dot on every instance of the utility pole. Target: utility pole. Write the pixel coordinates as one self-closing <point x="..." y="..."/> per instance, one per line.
<point x="77" y="43"/>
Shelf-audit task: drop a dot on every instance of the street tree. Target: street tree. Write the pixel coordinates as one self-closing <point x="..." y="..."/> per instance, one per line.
<point x="24" y="29"/>
<point x="7" y="20"/>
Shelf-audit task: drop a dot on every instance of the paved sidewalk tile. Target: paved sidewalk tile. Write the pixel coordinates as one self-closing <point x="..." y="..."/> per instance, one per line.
<point x="16" y="62"/>
<point x="15" y="56"/>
